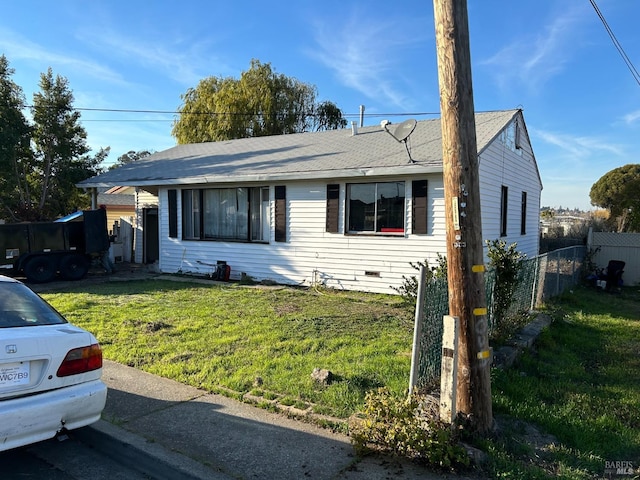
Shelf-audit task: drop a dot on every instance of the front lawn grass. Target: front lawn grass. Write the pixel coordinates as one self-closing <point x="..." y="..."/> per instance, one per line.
<point x="580" y="384"/>
<point x="565" y="409"/>
<point x="212" y="336"/>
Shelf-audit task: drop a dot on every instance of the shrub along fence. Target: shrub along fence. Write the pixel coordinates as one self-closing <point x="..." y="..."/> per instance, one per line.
<point x="541" y="278"/>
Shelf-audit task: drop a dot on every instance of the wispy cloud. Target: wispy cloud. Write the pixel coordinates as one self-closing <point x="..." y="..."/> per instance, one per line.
<point x="17" y="47"/>
<point x="364" y="53"/>
<point x="632" y="117"/>
<point x="579" y="147"/>
<point x="532" y="60"/>
<point x="570" y="164"/>
<point x="184" y="61"/>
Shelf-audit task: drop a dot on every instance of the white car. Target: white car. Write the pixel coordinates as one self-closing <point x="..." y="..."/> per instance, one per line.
<point x="49" y="370"/>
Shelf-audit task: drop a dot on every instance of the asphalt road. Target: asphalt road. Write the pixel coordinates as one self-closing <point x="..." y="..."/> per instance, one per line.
<point x="86" y="453"/>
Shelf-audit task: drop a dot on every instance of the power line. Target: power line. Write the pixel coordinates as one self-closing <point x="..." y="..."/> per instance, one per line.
<point x="616" y="43"/>
<point x="176" y="112"/>
<point x="138" y="120"/>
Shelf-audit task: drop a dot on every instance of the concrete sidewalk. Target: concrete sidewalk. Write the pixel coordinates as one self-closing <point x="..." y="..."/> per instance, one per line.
<point x="207" y="436"/>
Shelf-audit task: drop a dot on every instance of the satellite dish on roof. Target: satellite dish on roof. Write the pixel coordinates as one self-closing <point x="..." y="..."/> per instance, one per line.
<point x="406" y="128"/>
<point x="402" y="132"/>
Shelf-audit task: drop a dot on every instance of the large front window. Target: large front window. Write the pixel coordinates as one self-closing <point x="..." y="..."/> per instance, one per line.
<point x="376" y="207"/>
<point x="226" y="214"/>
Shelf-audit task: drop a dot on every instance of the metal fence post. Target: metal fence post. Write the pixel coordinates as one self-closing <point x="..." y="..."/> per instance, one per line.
<point x="534" y="288"/>
<point x="557" y="292"/>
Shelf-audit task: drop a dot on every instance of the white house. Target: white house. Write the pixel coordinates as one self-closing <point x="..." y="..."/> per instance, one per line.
<point x="347" y="208"/>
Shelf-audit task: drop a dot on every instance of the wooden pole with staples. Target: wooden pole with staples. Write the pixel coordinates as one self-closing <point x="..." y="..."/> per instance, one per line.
<point x="465" y="266"/>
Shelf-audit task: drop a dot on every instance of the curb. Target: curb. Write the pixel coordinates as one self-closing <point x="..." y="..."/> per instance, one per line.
<point x="146" y="457"/>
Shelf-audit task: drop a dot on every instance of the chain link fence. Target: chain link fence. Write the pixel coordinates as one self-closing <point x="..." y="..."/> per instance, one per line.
<point x="541" y="278"/>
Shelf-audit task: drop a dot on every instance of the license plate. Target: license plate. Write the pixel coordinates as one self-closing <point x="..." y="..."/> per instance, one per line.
<point x="14" y="374"/>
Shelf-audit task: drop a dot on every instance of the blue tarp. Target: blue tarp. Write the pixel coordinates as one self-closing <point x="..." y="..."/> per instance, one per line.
<point x="71" y="216"/>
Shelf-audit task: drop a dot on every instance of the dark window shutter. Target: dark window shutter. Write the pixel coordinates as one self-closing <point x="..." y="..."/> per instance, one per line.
<point x="523" y="214"/>
<point x="504" y="203"/>
<point x="281" y="213"/>
<point x="173" y="213"/>
<point x="333" y="207"/>
<point x="419" y="212"/>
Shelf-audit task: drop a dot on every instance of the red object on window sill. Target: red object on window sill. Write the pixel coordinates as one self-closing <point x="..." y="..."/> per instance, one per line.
<point x="392" y="230"/>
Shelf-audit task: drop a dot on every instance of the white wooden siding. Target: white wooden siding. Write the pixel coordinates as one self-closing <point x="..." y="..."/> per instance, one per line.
<point x="499" y="166"/>
<point x="311" y="255"/>
<point x="359" y="262"/>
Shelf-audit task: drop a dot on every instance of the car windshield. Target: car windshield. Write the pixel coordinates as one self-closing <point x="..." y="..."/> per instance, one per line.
<point x="21" y="307"/>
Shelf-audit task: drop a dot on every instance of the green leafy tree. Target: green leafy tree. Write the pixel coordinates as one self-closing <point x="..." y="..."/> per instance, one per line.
<point x="67" y="197"/>
<point x="130" y="157"/>
<point x="618" y="192"/>
<point x="61" y="151"/>
<point x="262" y="102"/>
<point x="547" y="214"/>
<point x="15" y="155"/>
<point x="327" y="116"/>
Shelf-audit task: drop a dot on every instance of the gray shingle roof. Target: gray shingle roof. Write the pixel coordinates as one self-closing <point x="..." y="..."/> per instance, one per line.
<point x="116" y="199"/>
<point x="327" y="154"/>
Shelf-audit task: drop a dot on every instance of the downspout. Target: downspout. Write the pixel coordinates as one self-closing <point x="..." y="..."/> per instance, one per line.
<point x="93" y="191"/>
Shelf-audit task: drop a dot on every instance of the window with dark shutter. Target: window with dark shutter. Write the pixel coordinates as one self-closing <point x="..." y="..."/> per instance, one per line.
<point x="173" y="213"/>
<point x="419" y="211"/>
<point x="236" y="214"/>
<point x="374" y="208"/>
<point x="333" y="207"/>
<point x="281" y="213"/>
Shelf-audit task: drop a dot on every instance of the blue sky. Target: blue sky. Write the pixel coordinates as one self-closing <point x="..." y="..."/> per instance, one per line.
<point x="553" y="58"/>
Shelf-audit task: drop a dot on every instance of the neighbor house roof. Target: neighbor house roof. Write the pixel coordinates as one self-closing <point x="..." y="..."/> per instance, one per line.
<point x="311" y="155"/>
<point x="115" y="196"/>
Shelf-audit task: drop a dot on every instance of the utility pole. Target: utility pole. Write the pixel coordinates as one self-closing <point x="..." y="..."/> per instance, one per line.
<point x="465" y="259"/>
